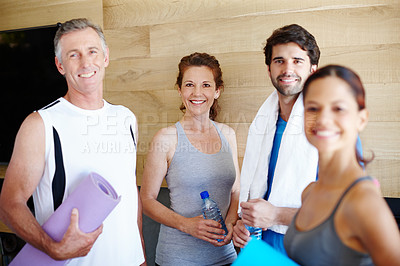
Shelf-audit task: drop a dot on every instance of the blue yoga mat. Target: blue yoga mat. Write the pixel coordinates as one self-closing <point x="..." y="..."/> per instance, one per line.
<point x="259" y="253"/>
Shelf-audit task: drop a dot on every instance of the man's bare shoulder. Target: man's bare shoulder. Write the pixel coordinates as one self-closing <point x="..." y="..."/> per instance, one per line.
<point x="32" y="120"/>
<point x="31" y="127"/>
<point x="28" y="157"/>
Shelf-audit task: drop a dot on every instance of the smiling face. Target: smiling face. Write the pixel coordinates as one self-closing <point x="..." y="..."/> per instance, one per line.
<point x="289" y="69"/>
<point x="198" y="90"/>
<point x="83" y="61"/>
<point x="331" y="115"/>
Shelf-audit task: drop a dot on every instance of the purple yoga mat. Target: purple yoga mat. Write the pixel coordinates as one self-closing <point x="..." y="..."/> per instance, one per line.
<point x="94" y="198"/>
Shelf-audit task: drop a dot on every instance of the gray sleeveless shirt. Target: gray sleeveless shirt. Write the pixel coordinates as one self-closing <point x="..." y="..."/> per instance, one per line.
<point x="321" y="245"/>
<point x="190" y="173"/>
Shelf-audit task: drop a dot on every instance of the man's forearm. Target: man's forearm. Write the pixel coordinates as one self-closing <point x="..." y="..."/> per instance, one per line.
<point x="21" y="221"/>
<point x="285" y="215"/>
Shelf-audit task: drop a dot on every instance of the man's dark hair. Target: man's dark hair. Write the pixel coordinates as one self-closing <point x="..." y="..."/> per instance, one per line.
<point x="293" y="33"/>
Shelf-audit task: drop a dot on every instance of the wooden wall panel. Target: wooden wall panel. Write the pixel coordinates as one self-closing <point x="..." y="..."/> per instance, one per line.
<point x="151" y="107"/>
<point x="128" y="13"/>
<point x="128" y="42"/>
<point x="141" y="74"/>
<point x="387" y="172"/>
<point x="383" y="102"/>
<point x="249" y="33"/>
<point x="363" y="35"/>
<point x="383" y="139"/>
<point x="374" y="63"/>
<point x="16" y="14"/>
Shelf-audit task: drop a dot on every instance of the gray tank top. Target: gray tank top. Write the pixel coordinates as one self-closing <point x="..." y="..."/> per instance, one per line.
<point x="190" y="173"/>
<point x="321" y="245"/>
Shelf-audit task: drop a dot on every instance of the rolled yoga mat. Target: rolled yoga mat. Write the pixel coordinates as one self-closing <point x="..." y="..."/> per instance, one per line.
<point x="259" y="253"/>
<point x="94" y="198"/>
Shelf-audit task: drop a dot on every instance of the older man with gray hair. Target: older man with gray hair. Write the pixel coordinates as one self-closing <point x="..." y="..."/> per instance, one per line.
<point x="59" y="145"/>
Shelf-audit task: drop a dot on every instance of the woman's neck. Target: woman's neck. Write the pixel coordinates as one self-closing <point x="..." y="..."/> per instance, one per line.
<point x="338" y="168"/>
<point x="197" y="124"/>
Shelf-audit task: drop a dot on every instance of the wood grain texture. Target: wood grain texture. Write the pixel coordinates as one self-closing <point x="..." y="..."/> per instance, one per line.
<point x="139" y="74"/>
<point x="385" y="171"/>
<point x="383" y="102"/>
<point x="383" y="139"/>
<point x="128" y="13"/>
<point x="128" y="42"/>
<point x="248" y="33"/>
<point x="374" y="63"/>
<point x="34" y="13"/>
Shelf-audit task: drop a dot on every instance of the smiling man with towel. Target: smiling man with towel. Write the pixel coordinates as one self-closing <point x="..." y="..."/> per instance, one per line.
<point x="279" y="162"/>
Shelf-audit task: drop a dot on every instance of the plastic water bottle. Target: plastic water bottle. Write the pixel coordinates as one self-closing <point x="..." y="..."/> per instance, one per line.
<point x="211" y="211"/>
<point x="255" y="232"/>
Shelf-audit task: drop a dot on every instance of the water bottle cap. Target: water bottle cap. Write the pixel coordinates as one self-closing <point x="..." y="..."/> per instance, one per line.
<point x="204" y="194"/>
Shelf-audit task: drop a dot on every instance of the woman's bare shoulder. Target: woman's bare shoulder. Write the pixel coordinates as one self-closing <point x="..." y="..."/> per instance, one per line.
<point x="225" y="129"/>
<point x="164" y="140"/>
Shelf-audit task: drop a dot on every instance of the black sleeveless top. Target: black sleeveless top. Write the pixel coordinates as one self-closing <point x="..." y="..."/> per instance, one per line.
<point x="321" y="245"/>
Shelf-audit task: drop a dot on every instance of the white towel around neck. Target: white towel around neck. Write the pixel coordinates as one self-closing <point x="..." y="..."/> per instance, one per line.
<point x="297" y="161"/>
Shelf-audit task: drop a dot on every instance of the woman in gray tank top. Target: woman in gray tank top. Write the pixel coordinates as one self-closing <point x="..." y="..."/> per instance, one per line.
<point x="343" y="219"/>
<point x="194" y="155"/>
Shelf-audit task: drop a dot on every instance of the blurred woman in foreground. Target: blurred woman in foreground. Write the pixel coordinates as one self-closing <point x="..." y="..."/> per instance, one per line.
<point x="344" y="219"/>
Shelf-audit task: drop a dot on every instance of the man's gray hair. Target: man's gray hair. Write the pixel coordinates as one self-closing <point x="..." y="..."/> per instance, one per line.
<point x="73" y="25"/>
